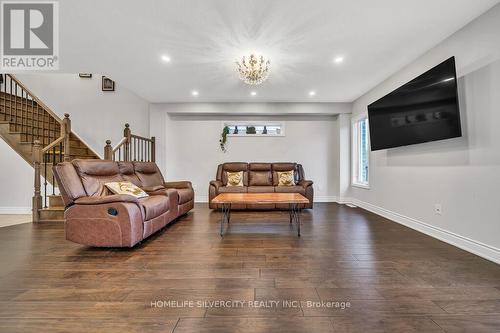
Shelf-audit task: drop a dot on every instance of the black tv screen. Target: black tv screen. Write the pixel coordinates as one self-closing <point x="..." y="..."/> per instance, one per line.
<point x="424" y="109"/>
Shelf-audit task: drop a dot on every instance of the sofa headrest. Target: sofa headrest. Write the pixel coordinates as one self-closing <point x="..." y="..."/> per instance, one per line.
<point x="284" y="166"/>
<point x="70" y="185"/>
<point x="148" y="174"/>
<point x="235" y="166"/>
<point x="259" y="166"/>
<point x="145" y="167"/>
<point x="126" y="168"/>
<point x="96" y="167"/>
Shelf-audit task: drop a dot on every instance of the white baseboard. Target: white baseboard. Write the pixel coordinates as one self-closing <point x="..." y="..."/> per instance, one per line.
<point x="483" y="250"/>
<point x="204" y="199"/>
<point x="326" y="198"/>
<point x="15" y="210"/>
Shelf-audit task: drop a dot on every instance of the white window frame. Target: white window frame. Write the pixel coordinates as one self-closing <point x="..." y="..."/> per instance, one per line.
<point x="355" y="153"/>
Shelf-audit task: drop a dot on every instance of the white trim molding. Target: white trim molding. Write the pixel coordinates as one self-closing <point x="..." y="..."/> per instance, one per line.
<point x="483" y="250"/>
<point x="15" y="210"/>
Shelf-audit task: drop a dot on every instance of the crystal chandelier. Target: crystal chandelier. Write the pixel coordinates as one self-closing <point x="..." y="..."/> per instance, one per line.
<point x="253" y="70"/>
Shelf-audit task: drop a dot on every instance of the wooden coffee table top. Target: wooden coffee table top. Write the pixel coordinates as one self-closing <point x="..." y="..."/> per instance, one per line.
<point x="259" y="198"/>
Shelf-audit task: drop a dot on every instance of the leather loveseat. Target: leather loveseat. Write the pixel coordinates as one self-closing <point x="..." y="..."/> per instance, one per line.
<point x="260" y="178"/>
<point x="96" y="217"/>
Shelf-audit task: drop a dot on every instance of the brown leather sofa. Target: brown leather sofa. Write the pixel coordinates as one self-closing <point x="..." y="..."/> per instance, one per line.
<point x="96" y="217"/>
<point x="260" y="178"/>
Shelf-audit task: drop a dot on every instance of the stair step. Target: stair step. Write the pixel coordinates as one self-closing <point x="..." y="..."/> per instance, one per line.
<point x="55" y="201"/>
<point x="52" y="214"/>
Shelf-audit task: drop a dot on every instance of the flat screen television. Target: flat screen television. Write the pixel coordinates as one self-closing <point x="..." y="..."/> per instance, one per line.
<point x="424" y="109"/>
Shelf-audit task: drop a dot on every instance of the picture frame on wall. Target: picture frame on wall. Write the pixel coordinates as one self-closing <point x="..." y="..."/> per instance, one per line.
<point x="108" y="84"/>
<point x="85" y="75"/>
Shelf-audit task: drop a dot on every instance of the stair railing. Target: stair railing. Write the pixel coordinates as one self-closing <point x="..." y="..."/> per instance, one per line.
<point x="131" y="148"/>
<point x="43" y="159"/>
<point x="27" y="114"/>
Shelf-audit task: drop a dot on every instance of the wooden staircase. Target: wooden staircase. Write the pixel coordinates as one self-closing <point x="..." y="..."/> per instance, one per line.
<point x="42" y="139"/>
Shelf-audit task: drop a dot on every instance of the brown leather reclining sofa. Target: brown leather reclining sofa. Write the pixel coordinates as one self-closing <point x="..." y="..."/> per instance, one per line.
<point x="260" y="178"/>
<point x="96" y="217"/>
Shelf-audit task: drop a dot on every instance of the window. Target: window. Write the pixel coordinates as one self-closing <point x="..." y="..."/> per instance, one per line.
<point x="360" y="153"/>
<point x="243" y="128"/>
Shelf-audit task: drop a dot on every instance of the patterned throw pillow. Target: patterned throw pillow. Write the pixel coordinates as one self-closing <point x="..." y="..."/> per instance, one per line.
<point x="234" y="178"/>
<point x="126" y="188"/>
<point x="285" y="178"/>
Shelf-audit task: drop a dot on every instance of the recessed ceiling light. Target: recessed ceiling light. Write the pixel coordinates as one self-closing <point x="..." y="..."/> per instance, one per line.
<point x="165" y="58"/>
<point x="253" y="93"/>
<point x="338" y="59"/>
<point x="195" y="93"/>
<point x="312" y="93"/>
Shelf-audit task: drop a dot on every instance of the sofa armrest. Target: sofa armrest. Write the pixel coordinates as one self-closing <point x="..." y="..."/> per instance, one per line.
<point x="108" y="224"/>
<point x="305" y="183"/>
<point x="106" y="199"/>
<point x="178" y="184"/>
<point x="216" y="184"/>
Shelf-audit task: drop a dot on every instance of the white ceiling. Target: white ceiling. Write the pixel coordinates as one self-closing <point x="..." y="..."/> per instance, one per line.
<point x="126" y="39"/>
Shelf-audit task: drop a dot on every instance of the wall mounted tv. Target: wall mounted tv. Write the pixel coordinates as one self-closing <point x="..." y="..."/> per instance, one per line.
<point x="424" y="109"/>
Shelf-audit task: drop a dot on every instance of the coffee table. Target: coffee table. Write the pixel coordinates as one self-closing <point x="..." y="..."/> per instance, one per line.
<point x="294" y="200"/>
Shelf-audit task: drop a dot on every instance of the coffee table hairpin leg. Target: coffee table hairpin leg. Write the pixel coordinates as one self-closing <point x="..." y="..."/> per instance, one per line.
<point x="225" y="216"/>
<point x="295" y="216"/>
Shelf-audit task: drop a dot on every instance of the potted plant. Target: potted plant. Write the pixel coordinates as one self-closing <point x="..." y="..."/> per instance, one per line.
<point x="251" y="130"/>
<point x="223" y="138"/>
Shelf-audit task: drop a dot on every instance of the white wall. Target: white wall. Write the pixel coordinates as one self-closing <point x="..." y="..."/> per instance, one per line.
<point x="463" y="174"/>
<point x="188" y="146"/>
<point x="16" y="177"/>
<point x="95" y="115"/>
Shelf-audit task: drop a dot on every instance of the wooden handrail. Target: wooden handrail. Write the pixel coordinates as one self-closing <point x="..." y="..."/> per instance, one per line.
<point x="52" y="145"/>
<point x="132" y="147"/>
<point x="141" y="138"/>
<point x="122" y="142"/>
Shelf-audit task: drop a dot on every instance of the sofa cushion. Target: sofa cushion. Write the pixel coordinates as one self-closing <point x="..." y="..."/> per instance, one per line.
<point x="126" y="188"/>
<point x="260" y="189"/>
<point x="260" y="178"/>
<point x="185" y="195"/>
<point x="154" y="206"/>
<point x="234" y="167"/>
<point x="283" y="167"/>
<point x="290" y="189"/>
<point x="286" y="178"/>
<point x="234" y="178"/>
<point x="128" y="173"/>
<point x="149" y="174"/>
<point x="233" y="189"/>
<point x="95" y="173"/>
<point x="225" y="177"/>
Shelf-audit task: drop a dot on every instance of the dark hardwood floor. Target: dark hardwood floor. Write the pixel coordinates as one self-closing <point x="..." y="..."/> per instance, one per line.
<point x="395" y="279"/>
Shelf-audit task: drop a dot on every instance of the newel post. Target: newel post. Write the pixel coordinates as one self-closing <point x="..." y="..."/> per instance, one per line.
<point x="108" y="151"/>
<point x="66" y="127"/>
<point x="37" y="198"/>
<point x="153" y="149"/>
<point x="127" y="134"/>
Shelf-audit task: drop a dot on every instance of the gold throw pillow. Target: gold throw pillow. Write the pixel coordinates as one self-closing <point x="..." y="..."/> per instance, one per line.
<point x="126" y="188"/>
<point x="285" y="178"/>
<point x="234" y="178"/>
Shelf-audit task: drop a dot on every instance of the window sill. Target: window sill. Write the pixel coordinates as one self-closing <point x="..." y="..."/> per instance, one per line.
<point x="363" y="186"/>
